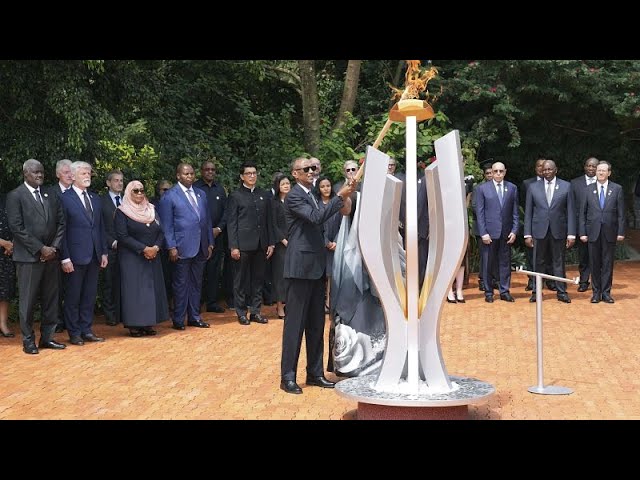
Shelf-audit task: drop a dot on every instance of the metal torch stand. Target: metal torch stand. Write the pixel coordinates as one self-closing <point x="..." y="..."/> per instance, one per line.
<point x="541" y="388"/>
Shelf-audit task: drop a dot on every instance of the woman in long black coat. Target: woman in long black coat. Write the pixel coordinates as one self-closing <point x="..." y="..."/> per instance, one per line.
<point x="143" y="296"/>
<point x="281" y="187"/>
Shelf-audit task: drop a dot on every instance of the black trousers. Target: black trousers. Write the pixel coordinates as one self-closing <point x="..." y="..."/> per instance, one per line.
<point x="549" y="250"/>
<point x="248" y="280"/>
<point x="212" y="274"/>
<point x="35" y="280"/>
<point x="111" y="288"/>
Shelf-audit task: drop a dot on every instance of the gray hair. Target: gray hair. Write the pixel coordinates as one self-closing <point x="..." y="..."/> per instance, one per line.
<point x="62" y="163"/>
<point x="75" y="166"/>
<point x="30" y="165"/>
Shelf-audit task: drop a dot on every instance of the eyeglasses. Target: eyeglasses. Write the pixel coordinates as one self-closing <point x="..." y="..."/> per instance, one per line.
<point x="312" y="168"/>
<point x="350" y="169"/>
<point x="137" y="190"/>
<point x="251" y="174"/>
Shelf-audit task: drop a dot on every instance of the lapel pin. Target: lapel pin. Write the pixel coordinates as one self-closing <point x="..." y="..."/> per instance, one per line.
<point x="260" y="198"/>
<point x="217" y="198"/>
<point x="46" y="195"/>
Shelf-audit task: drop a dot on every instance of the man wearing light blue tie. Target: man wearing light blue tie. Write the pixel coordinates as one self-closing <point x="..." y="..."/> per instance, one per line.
<point x="186" y="223"/>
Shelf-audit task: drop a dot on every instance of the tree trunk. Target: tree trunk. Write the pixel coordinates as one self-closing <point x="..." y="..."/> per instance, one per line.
<point x="310" y="112"/>
<point x="350" y="91"/>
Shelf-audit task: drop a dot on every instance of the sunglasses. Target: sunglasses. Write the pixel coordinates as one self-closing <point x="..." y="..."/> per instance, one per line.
<point x="350" y="169"/>
<point x="311" y="168"/>
<point x="137" y="190"/>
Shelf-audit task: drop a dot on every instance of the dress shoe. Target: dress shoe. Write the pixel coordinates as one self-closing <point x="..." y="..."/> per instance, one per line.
<point x="215" y="309"/>
<point x="583" y="287"/>
<point x="481" y="286"/>
<point x="290" y="386"/>
<point x="488" y="299"/>
<point x="529" y="286"/>
<point x="552" y="286"/>
<point x="198" y="323"/>
<point x="243" y="320"/>
<point x="450" y="300"/>
<point x="563" y="297"/>
<point x="175" y="326"/>
<point x="136" y="332"/>
<point x="30" y="348"/>
<point x="595" y="298"/>
<point x="320" y="382"/>
<point x="52" y="344"/>
<point x="507" y="297"/>
<point x="76" y="340"/>
<point x="460" y="299"/>
<point x="59" y="328"/>
<point x="532" y="298"/>
<point x="607" y="298"/>
<point x="8" y="334"/>
<point x="90" y="337"/>
<point x="149" y="331"/>
<point x="256" y="317"/>
<point x="112" y="323"/>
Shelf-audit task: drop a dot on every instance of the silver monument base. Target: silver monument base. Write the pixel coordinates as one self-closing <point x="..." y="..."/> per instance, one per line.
<point x="378" y="405"/>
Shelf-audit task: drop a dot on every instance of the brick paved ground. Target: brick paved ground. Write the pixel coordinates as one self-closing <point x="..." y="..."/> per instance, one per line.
<point x="232" y="372"/>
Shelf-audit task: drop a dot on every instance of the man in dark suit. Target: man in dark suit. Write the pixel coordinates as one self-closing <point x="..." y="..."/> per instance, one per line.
<point x="550" y="224"/>
<point x="488" y="175"/>
<point x="498" y="222"/>
<point x="579" y="188"/>
<point x="186" y="223"/>
<point x="37" y="223"/>
<point x="251" y="242"/>
<point x="526" y="183"/>
<point x="111" y="274"/>
<point x="84" y="251"/>
<point x="217" y="203"/>
<point x="304" y="273"/>
<point x="65" y="180"/>
<point x="601" y="225"/>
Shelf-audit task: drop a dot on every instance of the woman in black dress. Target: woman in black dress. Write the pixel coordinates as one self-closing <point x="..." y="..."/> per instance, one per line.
<point x="143" y="296"/>
<point x="281" y="187"/>
<point x="7" y="270"/>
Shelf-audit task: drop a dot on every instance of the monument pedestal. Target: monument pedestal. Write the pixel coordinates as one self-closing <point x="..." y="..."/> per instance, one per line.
<point x="377" y="405"/>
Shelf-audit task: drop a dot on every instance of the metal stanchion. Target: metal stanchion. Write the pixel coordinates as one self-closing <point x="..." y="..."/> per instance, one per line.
<point x="541" y="388"/>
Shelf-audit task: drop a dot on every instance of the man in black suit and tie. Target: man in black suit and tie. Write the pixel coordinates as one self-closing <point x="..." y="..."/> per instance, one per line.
<point x="65" y="180"/>
<point x="601" y="225"/>
<point x="84" y="251"/>
<point x="579" y="188"/>
<point x="304" y="273"/>
<point x="111" y="274"/>
<point x="37" y="223"/>
<point x="550" y="225"/>
<point x="526" y="183"/>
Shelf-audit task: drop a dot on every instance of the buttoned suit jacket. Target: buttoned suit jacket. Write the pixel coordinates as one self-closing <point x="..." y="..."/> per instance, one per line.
<point x="559" y="217"/>
<point x="84" y="237"/>
<point x="607" y="221"/>
<point x="182" y="227"/>
<point x="305" y="256"/>
<point x="579" y="191"/>
<point x="492" y="218"/>
<point x="249" y="220"/>
<point x="33" y="227"/>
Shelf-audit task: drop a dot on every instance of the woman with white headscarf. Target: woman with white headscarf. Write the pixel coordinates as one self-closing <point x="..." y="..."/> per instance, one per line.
<point x="143" y="296"/>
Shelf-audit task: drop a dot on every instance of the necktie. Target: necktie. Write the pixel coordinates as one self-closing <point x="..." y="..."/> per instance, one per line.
<point x="38" y="197"/>
<point x="500" y="197"/>
<point x="601" y="196"/>
<point x="117" y="200"/>
<point x="315" y="202"/>
<point x="192" y="201"/>
<point x="549" y="193"/>
<point x="87" y="204"/>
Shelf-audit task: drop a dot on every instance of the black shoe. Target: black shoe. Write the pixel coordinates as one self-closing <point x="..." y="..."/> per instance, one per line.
<point x="243" y="320"/>
<point x="290" y="386"/>
<point x="460" y="299"/>
<point x="488" y="299"/>
<point x="8" y="334"/>
<point x="507" y="297"/>
<point x="175" y="326"/>
<point x="583" y="287"/>
<point x="52" y="344"/>
<point x="256" y="317"/>
<point x="532" y="298"/>
<point x="595" y="298"/>
<point x="529" y="286"/>
<point x="451" y="301"/>
<point x="215" y="309"/>
<point x="563" y="297"/>
<point x="149" y="331"/>
<point x="607" y="298"/>
<point x="112" y="323"/>
<point x="481" y="286"/>
<point x="30" y="348"/>
<point x="552" y="286"/>
<point x="90" y="337"/>
<point x="136" y="332"/>
<point x="198" y="323"/>
<point x="76" y="340"/>
<point x="320" y="382"/>
<point x="59" y="328"/>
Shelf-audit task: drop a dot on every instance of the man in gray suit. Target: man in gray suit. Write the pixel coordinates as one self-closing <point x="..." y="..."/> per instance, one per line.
<point x="579" y="189"/>
<point x="304" y="273"/>
<point x="601" y="225"/>
<point x="37" y="223"/>
<point x="550" y="224"/>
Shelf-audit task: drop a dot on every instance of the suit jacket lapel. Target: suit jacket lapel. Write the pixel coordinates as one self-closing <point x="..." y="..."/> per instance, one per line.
<point x="34" y="202"/>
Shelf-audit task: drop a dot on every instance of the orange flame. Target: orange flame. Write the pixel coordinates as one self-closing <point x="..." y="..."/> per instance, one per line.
<point x="415" y="81"/>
